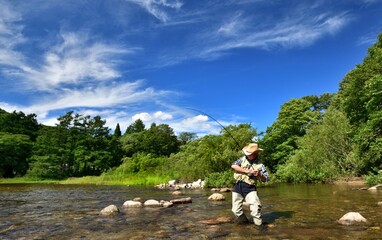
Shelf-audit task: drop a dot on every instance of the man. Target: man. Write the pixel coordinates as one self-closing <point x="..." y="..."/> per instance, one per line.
<point x="248" y="171"/>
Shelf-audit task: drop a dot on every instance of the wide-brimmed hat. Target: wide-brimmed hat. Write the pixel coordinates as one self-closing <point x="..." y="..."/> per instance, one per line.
<point x="251" y="148"/>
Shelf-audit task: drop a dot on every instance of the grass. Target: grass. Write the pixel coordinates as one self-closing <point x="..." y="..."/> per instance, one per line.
<point x="132" y="180"/>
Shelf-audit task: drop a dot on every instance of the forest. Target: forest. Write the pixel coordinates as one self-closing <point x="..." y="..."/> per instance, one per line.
<point x="314" y="139"/>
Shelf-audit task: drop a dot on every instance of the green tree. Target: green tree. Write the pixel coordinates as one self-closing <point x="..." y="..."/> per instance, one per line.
<point x="210" y="154"/>
<point x="79" y="145"/>
<point x="186" y="137"/>
<point x="294" y="118"/>
<point x="360" y="98"/>
<point x="325" y="153"/>
<point x="117" y="131"/>
<point x="15" y="149"/>
<point x="135" y="127"/>
<point x="19" y="123"/>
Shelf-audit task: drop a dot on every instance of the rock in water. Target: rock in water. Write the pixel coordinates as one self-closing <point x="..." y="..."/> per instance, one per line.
<point x="351" y="218"/>
<point x="132" y="204"/>
<point x="110" y="210"/>
<point x="181" y="200"/>
<point x="216" y="197"/>
<point x="152" y="203"/>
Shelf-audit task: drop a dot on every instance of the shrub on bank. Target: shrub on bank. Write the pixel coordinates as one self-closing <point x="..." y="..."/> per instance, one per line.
<point x="373" y="179"/>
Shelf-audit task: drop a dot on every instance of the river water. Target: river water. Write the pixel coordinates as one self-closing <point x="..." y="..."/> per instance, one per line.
<point x="300" y="211"/>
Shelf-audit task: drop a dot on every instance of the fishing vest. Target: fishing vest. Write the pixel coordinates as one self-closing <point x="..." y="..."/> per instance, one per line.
<point x="251" y="180"/>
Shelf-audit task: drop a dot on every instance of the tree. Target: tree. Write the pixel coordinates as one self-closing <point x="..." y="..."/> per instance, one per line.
<point x="294" y="118"/>
<point x="79" y="145"/>
<point x="19" y="123"/>
<point x="117" y="131"/>
<point x="324" y="153"/>
<point x="360" y="97"/>
<point x="15" y="149"/>
<point x="186" y="137"/>
<point x="210" y="154"/>
<point x="136" y="127"/>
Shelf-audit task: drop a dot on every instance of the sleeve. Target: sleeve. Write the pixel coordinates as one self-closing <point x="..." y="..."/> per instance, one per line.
<point x="238" y="162"/>
<point x="264" y="172"/>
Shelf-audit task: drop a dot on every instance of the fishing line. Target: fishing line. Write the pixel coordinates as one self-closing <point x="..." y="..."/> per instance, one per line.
<point x="196" y="110"/>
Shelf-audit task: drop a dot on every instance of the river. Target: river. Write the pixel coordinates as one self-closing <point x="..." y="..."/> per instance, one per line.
<point x="303" y="211"/>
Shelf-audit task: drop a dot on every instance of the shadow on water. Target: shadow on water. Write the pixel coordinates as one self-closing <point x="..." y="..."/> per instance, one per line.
<point x="271" y="217"/>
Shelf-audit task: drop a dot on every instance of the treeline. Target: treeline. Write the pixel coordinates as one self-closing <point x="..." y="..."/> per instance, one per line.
<point x="313" y="139"/>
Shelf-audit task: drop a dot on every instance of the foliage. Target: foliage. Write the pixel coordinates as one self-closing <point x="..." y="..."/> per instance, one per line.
<point x="15" y="149"/>
<point x="324" y="153"/>
<point x="19" y="123"/>
<point x="186" y="137"/>
<point x="220" y="179"/>
<point x="136" y="127"/>
<point x="117" y="131"/>
<point x="77" y="146"/>
<point x="360" y="96"/>
<point x="209" y="154"/>
<point x="294" y="118"/>
<point x="159" y="140"/>
<point x="373" y="179"/>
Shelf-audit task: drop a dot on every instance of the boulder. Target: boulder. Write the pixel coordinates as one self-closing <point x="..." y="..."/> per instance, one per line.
<point x="138" y="199"/>
<point x="152" y="203"/>
<point x="177" y="193"/>
<point x="225" y="190"/>
<point x="166" y="204"/>
<point x="181" y="200"/>
<point x="171" y="183"/>
<point x="197" y="184"/>
<point x="374" y="188"/>
<point x="351" y="218"/>
<point x="110" y="210"/>
<point x="216" y="197"/>
<point x="132" y="204"/>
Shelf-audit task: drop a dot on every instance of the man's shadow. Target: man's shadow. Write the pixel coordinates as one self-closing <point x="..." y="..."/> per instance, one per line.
<point x="271" y="217"/>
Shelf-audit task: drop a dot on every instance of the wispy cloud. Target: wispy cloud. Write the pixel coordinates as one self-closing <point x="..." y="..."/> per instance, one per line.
<point x="286" y="33"/>
<point x="77" y="60"/>
<point x="10" y="36"/>
<point x="101" y="96"/>
<point x="158" y="8"/>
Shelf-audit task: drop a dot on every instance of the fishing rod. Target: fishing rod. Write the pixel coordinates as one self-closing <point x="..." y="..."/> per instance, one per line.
<point x="196" y="110"/>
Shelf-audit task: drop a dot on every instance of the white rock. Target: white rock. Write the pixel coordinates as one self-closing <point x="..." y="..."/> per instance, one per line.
<point x="110" y="210"/>
<point x="166" y="204"/>
<point x="172" y="183"/>
<point x="351" y="218"/>
<point x="152" y="203"/>
<point x="216" y="197"/>
<point x="132" y="204"/>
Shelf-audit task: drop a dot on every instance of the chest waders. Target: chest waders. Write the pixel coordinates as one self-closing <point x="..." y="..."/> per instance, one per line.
<point x="245" y="190"/>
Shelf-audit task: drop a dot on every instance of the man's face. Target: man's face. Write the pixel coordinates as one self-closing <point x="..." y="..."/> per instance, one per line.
<point x="253" y="155"/>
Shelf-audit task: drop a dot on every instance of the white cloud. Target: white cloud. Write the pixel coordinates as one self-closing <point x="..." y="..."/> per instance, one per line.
<point x="77" y="60"/>
<point x="10" y="36"/>
<point x="157" y="8"/>
<point x="145" y="117"/>
<point x="299" y="31"/>
<point x="162" y="116"/>
<point x="103" y="96"/>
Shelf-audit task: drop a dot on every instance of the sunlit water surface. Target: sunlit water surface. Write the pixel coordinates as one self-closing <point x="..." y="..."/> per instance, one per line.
<point x="292" y="212"/>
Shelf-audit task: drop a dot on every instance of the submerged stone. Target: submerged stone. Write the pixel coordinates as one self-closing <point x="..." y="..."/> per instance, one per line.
<point x="351" y="218"/>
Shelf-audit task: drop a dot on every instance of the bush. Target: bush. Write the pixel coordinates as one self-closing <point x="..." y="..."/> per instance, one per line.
<point x="220" y="179"/>
<point x="373" y="179"/>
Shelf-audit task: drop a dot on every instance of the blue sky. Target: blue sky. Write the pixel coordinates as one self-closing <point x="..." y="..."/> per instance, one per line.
<point x="236" y="60"/>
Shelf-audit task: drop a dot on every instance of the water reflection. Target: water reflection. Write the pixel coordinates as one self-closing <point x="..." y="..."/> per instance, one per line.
<point x="292" y="212"/>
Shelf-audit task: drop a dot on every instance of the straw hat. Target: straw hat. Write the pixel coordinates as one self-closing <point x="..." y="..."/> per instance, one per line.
<point x="251" y="148"/>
